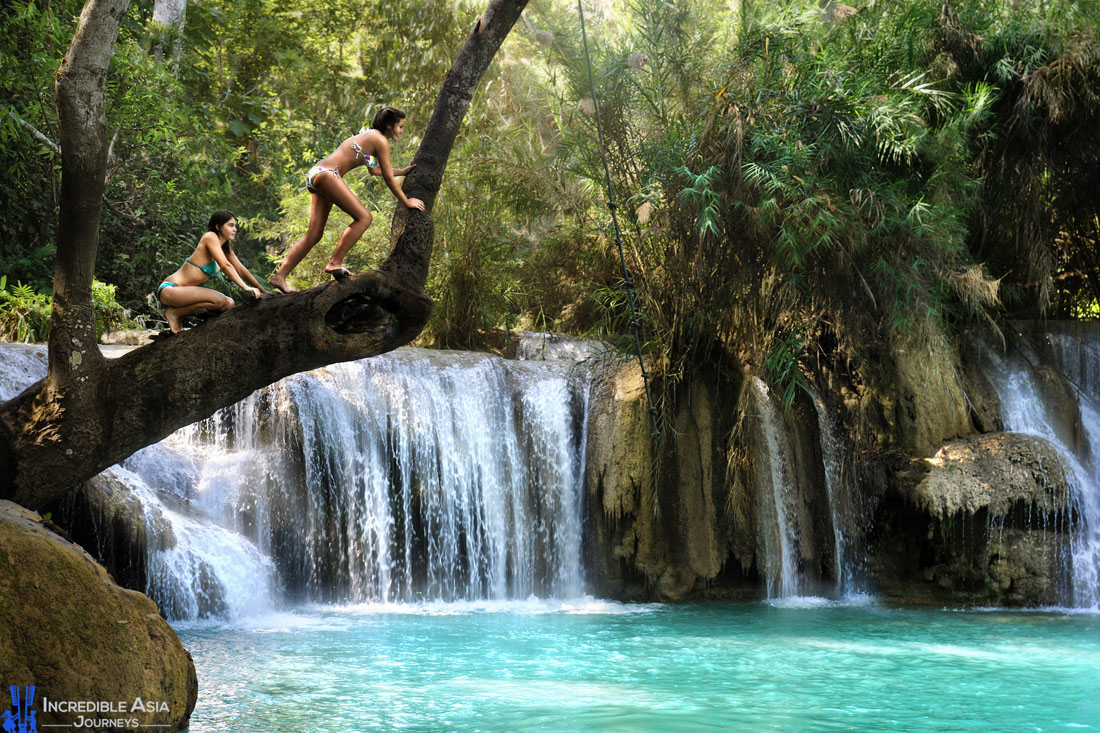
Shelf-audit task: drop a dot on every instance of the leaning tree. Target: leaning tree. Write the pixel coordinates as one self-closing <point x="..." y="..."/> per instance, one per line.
<point x="91" y="412"/>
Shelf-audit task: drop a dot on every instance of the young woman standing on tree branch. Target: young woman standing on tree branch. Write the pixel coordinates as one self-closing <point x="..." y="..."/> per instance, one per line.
<point x="325" y="181"/>
<point x="180" y="291"/>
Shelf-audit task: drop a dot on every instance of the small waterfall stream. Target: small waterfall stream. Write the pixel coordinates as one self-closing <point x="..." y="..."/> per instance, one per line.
<point x="840" y="502"/>
<point x="794" y="559"/>
<point x="779" y="516"/>
<point x="411" y="476"/>
<point x="1023" y="409"/>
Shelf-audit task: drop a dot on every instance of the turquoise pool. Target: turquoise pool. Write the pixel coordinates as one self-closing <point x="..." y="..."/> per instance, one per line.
<point x="603" y="666"/>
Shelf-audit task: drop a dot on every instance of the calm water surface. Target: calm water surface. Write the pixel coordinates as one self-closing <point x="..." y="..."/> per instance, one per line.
<point x="602" y="666"/>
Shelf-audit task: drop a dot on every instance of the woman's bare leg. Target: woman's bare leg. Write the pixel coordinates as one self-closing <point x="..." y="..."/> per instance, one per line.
<point x="183" y="300"/>
<point x="337" y="191"/>
<point x="319" y="207"/>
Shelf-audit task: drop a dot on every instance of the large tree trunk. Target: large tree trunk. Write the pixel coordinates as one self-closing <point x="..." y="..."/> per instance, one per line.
<point x="168" y="18"/>
<point x="89" y="412"/>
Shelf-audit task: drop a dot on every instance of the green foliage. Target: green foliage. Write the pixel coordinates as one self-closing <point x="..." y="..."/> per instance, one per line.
<point x="24" y="314"/>
<point x="32" y="38"/>
<point x="109" y="314"/>
<point x="782" y="369"/>
<point x="791" y="179"/>
<point x="843" y="174"/>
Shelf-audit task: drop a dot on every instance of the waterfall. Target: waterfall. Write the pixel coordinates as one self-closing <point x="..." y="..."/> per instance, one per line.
<point x="840" y="500"/>
<point x="411" y="476"/>
<point x="1024" y="410"/>
<point x="779" y="528"/>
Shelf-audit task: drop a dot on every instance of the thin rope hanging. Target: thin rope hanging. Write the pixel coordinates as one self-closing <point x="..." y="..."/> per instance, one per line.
<point x="628" y="282"/>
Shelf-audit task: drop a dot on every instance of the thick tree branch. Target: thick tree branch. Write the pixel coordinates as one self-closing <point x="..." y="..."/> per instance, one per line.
<point x="82" y="117"/>
<point x="412" y="237"/>
<point x="90" y="412"/>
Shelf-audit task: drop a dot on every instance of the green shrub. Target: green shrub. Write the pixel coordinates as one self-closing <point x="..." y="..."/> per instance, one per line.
<point x="25" y="314"/>
<point x="109" y="314"/>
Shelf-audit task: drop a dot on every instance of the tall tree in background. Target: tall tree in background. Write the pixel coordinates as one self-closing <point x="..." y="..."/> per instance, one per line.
<point x="91" y="412"/>
<point x="169" y="16"/>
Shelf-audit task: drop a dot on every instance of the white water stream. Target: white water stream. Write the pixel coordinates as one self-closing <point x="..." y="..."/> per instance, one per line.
<point x="1024" y="410"/>
<point x="413" y="476"/>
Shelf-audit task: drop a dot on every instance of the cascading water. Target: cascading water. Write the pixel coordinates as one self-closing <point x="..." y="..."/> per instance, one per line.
<point x="779" y="530"/>
<point x="840" y="500"/>
<point x="1024" y="410"/>
<point x="23" y="365"/>
<point x="411" y="476"/>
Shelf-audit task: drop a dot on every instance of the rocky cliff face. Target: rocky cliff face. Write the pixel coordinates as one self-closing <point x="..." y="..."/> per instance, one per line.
<point x="657" y="529"/>
<point x="926" y="498"/>
<point x="694" y="516"/>
<point x="69" y="629"/>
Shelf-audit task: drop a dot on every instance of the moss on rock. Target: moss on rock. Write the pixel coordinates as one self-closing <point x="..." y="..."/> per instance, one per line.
<point x="68" y="629"/>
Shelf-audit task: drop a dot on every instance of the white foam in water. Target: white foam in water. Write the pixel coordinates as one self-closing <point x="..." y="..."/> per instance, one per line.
<point x="819" y="601"/>
<point x="533" y="606"/>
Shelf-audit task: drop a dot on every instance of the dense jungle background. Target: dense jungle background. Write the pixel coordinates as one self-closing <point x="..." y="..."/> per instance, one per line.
<point x="797" y="181"/>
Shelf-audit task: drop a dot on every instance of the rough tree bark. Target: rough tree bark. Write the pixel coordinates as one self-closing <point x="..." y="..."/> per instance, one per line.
<point x="91" y="412"/>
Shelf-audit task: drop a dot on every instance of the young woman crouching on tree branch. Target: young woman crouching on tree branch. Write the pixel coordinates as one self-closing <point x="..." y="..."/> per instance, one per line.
<point x="180" y="291"/>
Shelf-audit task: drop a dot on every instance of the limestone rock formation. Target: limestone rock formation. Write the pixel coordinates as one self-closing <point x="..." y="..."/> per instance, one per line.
<point x="992" y="473"/>
<point x="985" y="520"/>
<point x="662" y="529"/>
<point x="931" y="407"/>
<point x="68" y="629"/>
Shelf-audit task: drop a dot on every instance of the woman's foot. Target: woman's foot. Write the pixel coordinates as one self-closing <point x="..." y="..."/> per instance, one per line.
<point x="339" y="272"/>
<point x="279" y="283"/>
<point x="175" y="324"/>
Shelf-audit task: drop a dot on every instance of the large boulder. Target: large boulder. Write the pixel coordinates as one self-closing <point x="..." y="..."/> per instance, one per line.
<point x="993" y="473"/>
<point x="67" y="628"/>
<point x="985" y="520"/>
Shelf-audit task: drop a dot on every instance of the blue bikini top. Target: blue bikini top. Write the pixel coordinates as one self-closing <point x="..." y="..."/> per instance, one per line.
<point x="209" y="270"/>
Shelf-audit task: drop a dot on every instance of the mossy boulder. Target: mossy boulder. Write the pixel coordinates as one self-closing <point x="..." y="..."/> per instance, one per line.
<point x="992" y="472"/>
<point x="985" y="520"/>
<point x="69" y="629"/>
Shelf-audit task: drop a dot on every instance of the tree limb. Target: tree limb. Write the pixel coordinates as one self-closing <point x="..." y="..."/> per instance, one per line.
<point x="35" y="132"/>
<point x="89" y="412"/>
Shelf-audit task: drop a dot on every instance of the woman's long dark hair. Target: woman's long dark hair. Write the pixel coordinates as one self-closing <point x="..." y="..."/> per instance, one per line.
<point x="217" y="220"/>
<point x="386" y="118"/>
